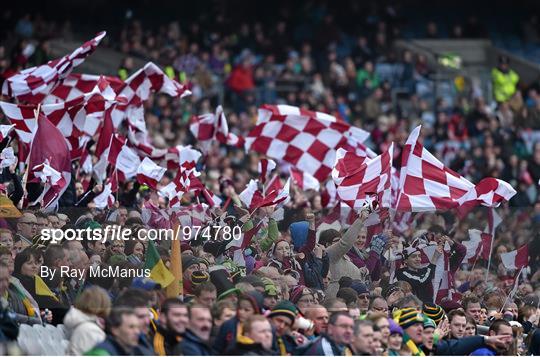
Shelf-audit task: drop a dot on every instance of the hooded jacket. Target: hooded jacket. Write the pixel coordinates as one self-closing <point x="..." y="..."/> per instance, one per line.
<point x="232" y="328"/>
<point x="84" y="331"/>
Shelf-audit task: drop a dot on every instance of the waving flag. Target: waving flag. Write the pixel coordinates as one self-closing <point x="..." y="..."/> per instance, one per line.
<point x="307" y="140"/>
<point x="125" y="161"/>
<point x="516" y="259"/>
<point x="34" y="84"/>
<point x="251" y="196"/>
<point x="149" y="173"/>
<point x="356" y="184"/>
<point x="427" y="185"/>
<point x="211" y="127"/>
<point x="106" y="198"/>
<point x="304" y="180"/>
<point x="137" y="89"/>
<point x="265" y="167"/>
<point x="49" y="147"/>
<point x="7" y="157"/>
<point x="158" y="271"/>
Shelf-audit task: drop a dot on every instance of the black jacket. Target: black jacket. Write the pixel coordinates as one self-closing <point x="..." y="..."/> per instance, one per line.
<point x="164" y="341"/>
<point x="192" y="345"/>
<point x="247" y="347"/>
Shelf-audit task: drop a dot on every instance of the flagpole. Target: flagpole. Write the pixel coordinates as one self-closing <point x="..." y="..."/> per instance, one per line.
<point x="490" y="253"/>
<point x="176" y="288"/>
<point x="513" y="291"/>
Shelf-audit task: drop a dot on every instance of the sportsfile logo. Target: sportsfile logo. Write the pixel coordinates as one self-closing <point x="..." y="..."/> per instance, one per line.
<point x="110" y="233"/>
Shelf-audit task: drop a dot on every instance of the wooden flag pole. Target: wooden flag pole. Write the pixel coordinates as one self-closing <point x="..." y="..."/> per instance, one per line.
<point x="177" y="287"/>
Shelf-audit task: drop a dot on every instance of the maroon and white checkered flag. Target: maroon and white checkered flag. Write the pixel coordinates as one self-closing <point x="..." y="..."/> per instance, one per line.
<point x="427" y="185"/>
<point x="33" y="84"/>
<point x="209" y="127"/>
<point x="307" y="140"/>
<point x="360" y="179"/>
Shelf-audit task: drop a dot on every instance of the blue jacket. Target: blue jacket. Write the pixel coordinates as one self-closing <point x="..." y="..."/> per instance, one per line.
<point x="462" y="347"/>
<point x="192" y="345"/>
<point x="226" y="336"/>
<point x="485" y="351"/>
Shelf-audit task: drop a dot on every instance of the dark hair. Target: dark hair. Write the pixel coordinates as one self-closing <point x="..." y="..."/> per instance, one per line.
<point x="349" y="295"/>
<point x="496" y="325"/>
<point x="54" y="251"/>
<point x="454" y="313"/>
<point x="170" y="303"/>
<point x="471" y="299"/>
<point x="133" y="298"/>
<point x="336" y="315"/>
<point x="436" y="229"/>
<point x="25" y="256"/>
<point x="358" y="324"/>
<point x="130" y="246"/>
<point x="327" y="236"/>
<point x="116" y="317"/>
<point x="206" y="286"/>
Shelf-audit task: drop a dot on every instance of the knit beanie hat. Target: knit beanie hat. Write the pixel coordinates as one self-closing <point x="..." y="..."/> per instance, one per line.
<point x="433" y="311"/>
<point x="407" y="317"/>
<point x="429" y="323"/>
<point x="395" y="328"/>
<point x="285" y="308"/>
<point x="199" y="277"/>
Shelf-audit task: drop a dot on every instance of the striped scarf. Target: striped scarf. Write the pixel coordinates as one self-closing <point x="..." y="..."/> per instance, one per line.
<point x="415" y="351"/>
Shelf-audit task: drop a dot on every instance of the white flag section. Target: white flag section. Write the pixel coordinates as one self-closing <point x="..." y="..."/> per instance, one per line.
<point x="251" y="196"/>
<point x="304" y="180"/>
<point x="516" y="259"/>
<point x="7" y="157"/>
<point x="149" y="173"/>
<point x="4" y="131"/>
<point x="106" y="198"/>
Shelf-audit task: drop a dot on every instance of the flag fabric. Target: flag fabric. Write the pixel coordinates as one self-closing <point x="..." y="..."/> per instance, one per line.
<point x="158" y="271"/>
<point x="124" y="160"/>
<point x="5" y="130"/>
<point x="427" y="185"/>
<point x="149" y="173"/>
<point x="516" y="259"/>
<point x="478" y="246"/>
<point x="210" y="127"/>
<point x="182" y="156"/>
<point x="138" y="88"/>
<point x="265" y="167"/>
<point x="176" y="189"/>
<point x="49" y="147"/>
<point x="106" y="198"/>
<point x="355" y="184"/>
<point x="103" y="144"/>
<point x="304" y="180"/>
<point x="7" y="157"/>
<point x="278" y="196"/>
<point x="77" y="85"/>
<point x="42" y="289"/>
<point x="53" y="180"/>
<point x="23" y="119"/>
<point x="251" y="196"/>
<point x="33" y="84"/>
<point x="305" y="139"/>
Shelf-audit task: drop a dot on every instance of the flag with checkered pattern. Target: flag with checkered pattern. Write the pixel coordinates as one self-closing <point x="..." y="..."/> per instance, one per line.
<point x="33" y="84"/>
<point x="307" y="140"/>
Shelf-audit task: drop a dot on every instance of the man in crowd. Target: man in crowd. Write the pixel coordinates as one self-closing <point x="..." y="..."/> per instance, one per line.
<point x="172" y="324"/>
<point x="363" y="338"/>
<point x="123" y="335"/>
<point x="197" y="336"/>
<point x="337" y="340"/>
